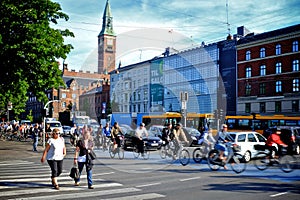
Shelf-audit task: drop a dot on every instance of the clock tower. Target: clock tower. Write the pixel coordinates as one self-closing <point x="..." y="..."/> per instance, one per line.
<point x="106" y="43"/>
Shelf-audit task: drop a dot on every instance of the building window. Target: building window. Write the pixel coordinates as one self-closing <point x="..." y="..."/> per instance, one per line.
<point x="296" y="85"/>
<point x="63" y="95"/>
<point x="277" y="106"/>
<point x="74" y="96"/>
<point x="295" y="65"/>
<point x="278" y="86"/>
<point x="248" y="72"/>
<point x="262" y="88"/>
<point x="278" y="68"/>
<point x="64" y="104"/>
<point x="295" y="46"/>
<point x="247" y="108"/>
<point x="248" y="89"/>
<point x="248" y="55"/>
<point x="295" y="106"/>
<point x="262" y="52"/>
<point x="278" y="49"/>
<point x="263" y="70"/>
<point x="262" y="107"/>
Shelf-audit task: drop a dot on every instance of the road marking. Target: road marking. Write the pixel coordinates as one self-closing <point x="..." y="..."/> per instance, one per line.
<point x="146" y="185"/>
<point x="82" y="194"/>
<point x="62" y="188"/>
<point x="139" y="197"/>
<point x="278" y="194"/>
<point x="188" y="179"/>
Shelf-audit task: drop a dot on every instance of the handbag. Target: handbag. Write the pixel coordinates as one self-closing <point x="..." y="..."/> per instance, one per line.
<point x="93" y="155"/>
<point x="74" y="173"/>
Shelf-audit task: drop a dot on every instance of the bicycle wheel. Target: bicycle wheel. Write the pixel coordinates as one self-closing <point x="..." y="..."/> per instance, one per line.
<point x="120" y="153"/>
<point x="287" y="163"/>
<point x="261" y="162"/>
<point x="198" y="154"/>
<point x="238" y="163"/>
<point x="135" y="152"/>
<point x="213" y="155"/>
<point x="111" y="151"/>
<point x="163" y="152"/>
<point x="146" y="154"/>
<point x="184" y="157"/>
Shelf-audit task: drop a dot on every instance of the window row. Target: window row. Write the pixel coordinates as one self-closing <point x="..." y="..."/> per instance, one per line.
<point x="278" y="87"/>
<point x="278" y="69"/>
<point x="262" y="51"/>
<point x="277" y="108"/>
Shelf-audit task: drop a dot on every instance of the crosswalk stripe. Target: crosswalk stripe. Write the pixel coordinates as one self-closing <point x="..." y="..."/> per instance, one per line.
<point x="47" y="175"/>
<point x="81" y="194"/>
<point x="48" y="189"/>
<point x="139" y="197"/>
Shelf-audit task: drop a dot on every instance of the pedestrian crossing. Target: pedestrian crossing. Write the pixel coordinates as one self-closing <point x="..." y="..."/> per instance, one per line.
<point x="29" y="180"/>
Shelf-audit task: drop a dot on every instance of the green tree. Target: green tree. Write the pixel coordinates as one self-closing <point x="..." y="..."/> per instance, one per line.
<point x="30" y="46"/>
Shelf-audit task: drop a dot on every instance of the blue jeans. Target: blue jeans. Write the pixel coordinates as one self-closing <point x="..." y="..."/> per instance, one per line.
<point x="88" y="173"/>
<point x="35" y="143"/>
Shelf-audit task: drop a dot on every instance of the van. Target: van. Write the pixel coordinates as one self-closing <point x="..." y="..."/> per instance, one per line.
<point x="56" y="124"/>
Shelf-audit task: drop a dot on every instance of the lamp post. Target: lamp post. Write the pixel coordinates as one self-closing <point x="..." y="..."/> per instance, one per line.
<point x="44" y="120"/>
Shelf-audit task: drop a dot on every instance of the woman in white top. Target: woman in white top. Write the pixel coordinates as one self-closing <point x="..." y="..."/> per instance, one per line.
<point x="55" y="152"/>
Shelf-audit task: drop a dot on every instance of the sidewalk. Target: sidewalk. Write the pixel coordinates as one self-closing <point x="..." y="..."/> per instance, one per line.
<point x="10" y="150"/>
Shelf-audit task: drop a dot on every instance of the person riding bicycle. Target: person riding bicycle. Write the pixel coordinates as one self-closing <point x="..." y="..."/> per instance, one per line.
<point x="273" y="141"/>
<point x="141" y="132"/>
<point x="115" y="132"/>
<point x="179" y="137"/>
<point x="167" y="134"/>
<point x="106" y="134"/>
<point x="223" y="138"/>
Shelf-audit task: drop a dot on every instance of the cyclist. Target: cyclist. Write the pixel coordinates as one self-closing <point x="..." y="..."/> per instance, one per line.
<point x="274" y="140"/>
<point x="106" y="134"/>
<point x="141" y="132"/>
<point x="115" y="133"/>
<point x="179" y="137"/>
<point x="223" y="138"/>
<point x="167" y="134"/>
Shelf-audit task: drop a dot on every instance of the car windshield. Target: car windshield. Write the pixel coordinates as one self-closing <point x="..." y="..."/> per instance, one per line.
<point x="54" y="125"/>
<point x="193" y="131"/>
<point x="233" y="136"/>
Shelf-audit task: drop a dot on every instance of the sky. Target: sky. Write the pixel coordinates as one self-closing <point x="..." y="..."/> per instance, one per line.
<point x="144" y="28"/>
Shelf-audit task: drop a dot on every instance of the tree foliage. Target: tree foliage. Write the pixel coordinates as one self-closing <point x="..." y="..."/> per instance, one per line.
<point x="30" y="46"/>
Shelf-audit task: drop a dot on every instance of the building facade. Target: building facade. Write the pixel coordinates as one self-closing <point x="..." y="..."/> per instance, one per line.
<point x="268" y="72"/>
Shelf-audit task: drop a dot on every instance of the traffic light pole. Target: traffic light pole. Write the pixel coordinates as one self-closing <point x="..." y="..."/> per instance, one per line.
<point x="44" y="120"/>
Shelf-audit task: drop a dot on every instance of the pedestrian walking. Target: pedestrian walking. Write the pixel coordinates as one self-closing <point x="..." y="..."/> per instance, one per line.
<point x="82" y="157"/>
<point x="35" y="135"/>
<point x="54" y="153"/>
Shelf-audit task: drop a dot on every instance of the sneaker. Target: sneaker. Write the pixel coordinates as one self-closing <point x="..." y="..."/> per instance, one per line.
<point x="91" y="187"/>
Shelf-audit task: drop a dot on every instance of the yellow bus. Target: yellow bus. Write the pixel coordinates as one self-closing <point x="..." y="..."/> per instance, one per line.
<point x="260" y="122"/>
<point x="194" y="120"/>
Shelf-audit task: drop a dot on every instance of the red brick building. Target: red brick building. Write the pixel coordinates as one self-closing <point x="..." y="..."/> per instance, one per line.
<point x="268" y="72"/>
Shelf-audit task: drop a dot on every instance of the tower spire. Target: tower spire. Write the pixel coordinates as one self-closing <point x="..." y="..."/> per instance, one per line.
<point x="107" y="21"/>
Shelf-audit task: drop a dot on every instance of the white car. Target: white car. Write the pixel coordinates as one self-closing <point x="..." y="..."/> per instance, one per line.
<point x="56" y="124"/>
<point x="247" y="140"/>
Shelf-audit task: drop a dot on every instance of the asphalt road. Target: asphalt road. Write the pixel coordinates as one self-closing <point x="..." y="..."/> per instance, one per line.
<point x="138" y="178"/>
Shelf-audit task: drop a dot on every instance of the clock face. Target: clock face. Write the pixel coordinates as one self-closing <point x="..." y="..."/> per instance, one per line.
<point x="109" y="42"/>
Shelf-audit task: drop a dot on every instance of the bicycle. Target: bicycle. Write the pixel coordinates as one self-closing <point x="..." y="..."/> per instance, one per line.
<point x="136" y="152"/>
<point x="168" y="152"/>
<point x="264" y="160"/>
<point x="105" y="143"/>
<point x="200" y="153"/>
<point x="236" y="160"/>
<point x="119" y="150"/>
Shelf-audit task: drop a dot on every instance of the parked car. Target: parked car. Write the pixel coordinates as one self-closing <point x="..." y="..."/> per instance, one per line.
<point x="246" y="141"/>
<point x="66" y="130"/>
<point x="192" y="135"/>
<point x="55" y="124"/>
<point x="152" y="142"/>
<point x="289" y="135"/>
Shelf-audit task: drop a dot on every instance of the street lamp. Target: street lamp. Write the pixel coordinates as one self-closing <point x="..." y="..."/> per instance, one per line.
<point x="44" y="120"/>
